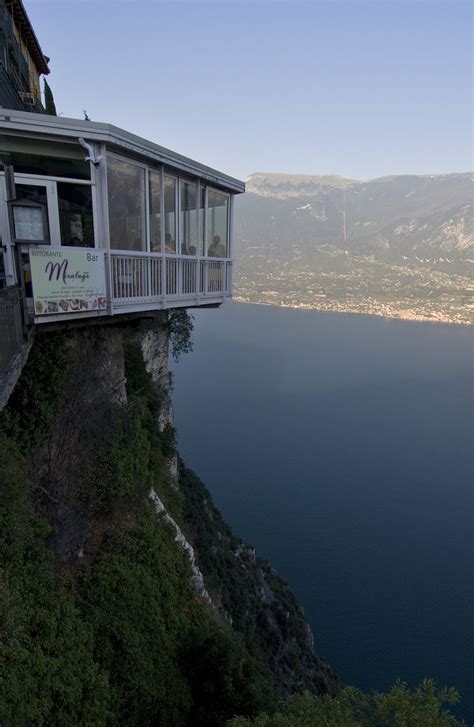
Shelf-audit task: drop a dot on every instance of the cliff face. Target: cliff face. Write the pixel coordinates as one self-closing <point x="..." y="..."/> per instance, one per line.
<point x="248" y="592"/>
<point x="175" y="619"/>
<point x="245" y="590"/>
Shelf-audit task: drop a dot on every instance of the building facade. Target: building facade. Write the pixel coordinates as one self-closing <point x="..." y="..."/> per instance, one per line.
<point x="22" y="62"/>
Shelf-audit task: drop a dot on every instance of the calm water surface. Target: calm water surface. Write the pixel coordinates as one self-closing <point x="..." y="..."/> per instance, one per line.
<point x="340" y="446"/>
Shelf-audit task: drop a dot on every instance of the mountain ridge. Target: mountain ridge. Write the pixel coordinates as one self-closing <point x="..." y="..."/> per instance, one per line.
<point x="401" y="246"/>
<point x="354" y="180"/>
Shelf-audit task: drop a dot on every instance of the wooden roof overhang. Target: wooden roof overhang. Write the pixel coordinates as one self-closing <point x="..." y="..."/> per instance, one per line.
<point x="22" y="21"/>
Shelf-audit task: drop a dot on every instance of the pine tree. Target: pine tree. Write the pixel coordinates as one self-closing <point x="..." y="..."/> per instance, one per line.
<point x="49" y="104"/>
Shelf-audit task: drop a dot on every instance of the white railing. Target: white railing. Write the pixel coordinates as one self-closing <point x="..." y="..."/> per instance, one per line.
<point x="135" y="277"/>
<point x="138" y="278"/>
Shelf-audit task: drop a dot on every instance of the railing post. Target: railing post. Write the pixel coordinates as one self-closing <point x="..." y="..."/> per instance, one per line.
<point x="198" y="277"/>
<point x="229" y="278"/>
<point x="163" y="274"/>
<point x="108" y="263"/>
<point x="179" y="274"/>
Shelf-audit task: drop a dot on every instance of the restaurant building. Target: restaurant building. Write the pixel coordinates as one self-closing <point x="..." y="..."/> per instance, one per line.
<point x="96" y="221"/>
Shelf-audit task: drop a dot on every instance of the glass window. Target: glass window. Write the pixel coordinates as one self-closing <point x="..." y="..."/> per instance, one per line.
<point x="217" y="223"/>
<point x="187" y="218"/>
<point x="170" y="214"/>
<point x="126" y="190"/>
<point x="154" y="183"/>
<point x="202" y="219"/>
<point x="47" y="166"/>
<point x="75" y="214"/>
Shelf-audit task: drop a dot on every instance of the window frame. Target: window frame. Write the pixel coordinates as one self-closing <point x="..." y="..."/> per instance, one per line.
<point x="228" y="218"/>
<point x="53" y="203"/>
<point x="177" y="237"/>
<point x="159" y="172"/>
<point x="195" y="183"/>
<point x="202" y="242"/>
<point x="52" y="209"/>
<point x="200" y="185"/>
<point x="146" y="220"/>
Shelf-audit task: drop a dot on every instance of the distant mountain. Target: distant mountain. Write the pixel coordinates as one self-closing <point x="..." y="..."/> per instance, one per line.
<point x="400" y="246"/>
<point x="293" y="185"/>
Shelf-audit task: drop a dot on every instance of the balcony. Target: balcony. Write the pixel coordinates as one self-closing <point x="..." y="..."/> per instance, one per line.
<point x="31" y="101"/>
<point x="140" y="281"/>
<point x="144" y="277"/>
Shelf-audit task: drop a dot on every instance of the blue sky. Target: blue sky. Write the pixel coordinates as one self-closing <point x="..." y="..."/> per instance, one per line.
<point x="358" y="88"/>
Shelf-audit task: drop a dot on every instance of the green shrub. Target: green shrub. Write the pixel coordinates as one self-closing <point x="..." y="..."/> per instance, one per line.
<point x="225" y="680"/>
<point x="136" y="597"/>
<point x="48" y="675"/>
<point x="33" y="404"/>
<point x="400" y="707"/>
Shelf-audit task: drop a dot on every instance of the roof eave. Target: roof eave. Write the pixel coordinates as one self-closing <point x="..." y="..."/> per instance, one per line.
<point x="116" y="137"/>
<point x="20" y="16"/>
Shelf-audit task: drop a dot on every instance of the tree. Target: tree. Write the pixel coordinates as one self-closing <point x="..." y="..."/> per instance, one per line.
<point x="180" y="326"/>
<point x="49" y="104"/>
<point x="400" y="707"/>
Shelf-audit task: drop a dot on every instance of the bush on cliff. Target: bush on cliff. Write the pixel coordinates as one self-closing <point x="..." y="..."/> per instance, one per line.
<point x="400" y="707"/>
<point x="48" y="673"/>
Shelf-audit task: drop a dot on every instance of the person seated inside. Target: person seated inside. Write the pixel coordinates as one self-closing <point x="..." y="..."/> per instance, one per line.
<point x="155" y="234"/>
<point x="79" y="237"/>
<point x="216" y="248"/>
<point x="155" y="241"/>
<point x="169" y="243"/>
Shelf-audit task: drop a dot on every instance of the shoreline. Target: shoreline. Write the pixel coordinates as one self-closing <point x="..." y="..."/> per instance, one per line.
<point x="304" y="307"/>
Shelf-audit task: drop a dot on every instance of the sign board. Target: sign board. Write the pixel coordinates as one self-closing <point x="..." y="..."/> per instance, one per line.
<point x="68" y="280"/>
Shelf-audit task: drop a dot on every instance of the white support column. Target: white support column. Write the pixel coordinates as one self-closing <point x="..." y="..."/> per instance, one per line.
<point x="96" y="202"/>
<point x="198" y="252"/>
<point x="101" y="213"/>
<point x="147" y="277"/>
<point x="179" y="264"/>
<point x="102" y="201"/>
<point x="162" y="233"/>
<point x="206" y="223"/>
<point x="109" y="283"/>
<point x="230" y="247"/>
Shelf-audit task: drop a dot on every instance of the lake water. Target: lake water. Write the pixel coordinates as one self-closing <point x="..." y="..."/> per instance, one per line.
<point x="340" y="447"/>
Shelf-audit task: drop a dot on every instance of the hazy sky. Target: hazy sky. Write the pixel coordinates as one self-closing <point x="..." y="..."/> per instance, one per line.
<point x="357" y="88"/>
